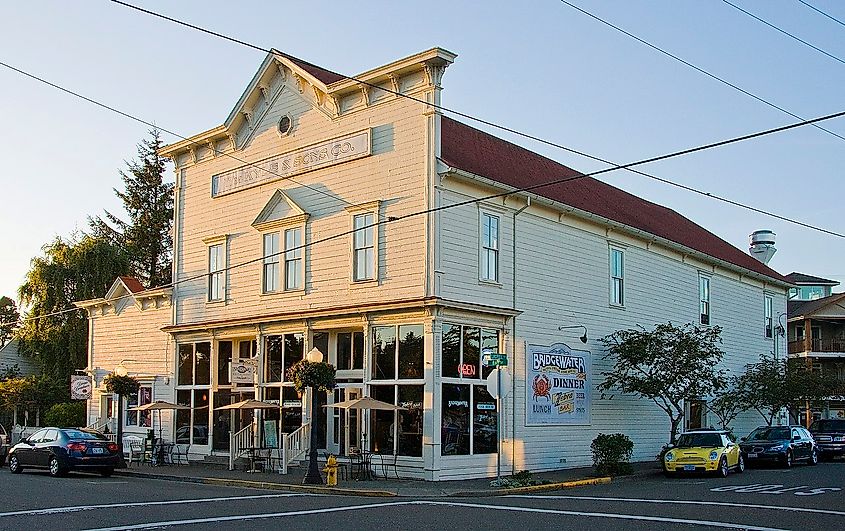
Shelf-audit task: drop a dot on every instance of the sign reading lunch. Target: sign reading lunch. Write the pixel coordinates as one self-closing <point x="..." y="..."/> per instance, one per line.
<point x="559" y="386"/>
<point x="349" y="147"/>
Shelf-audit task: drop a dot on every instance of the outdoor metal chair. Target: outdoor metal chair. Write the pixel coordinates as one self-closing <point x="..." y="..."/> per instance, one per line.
<point x="137" y="453"/>
<point x="387" y="461"/>
<point x="178" y="453"/>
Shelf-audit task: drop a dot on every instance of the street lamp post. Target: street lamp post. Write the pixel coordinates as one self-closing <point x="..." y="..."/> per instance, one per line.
<point x="312" y="476"/>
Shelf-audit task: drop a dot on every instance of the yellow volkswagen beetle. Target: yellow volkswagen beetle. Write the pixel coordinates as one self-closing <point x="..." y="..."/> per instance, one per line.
<point x="704" y="451"/>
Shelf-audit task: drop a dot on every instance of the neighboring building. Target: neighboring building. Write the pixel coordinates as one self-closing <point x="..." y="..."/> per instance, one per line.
<point x="808" y="287"/>
<point x="816" y="333"/>
<point x="11" y="358"/>
<point x="462" y="264"/>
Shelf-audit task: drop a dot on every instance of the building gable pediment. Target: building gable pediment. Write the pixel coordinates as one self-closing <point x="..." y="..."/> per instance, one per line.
<point x="280" y="211"/>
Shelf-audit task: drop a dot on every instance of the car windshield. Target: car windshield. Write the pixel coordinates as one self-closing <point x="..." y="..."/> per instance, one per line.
<point x="79" y="434"/>
<point x="688" y="440"/>
<point x="769" y="434"/>
<point x="828" y="425"/>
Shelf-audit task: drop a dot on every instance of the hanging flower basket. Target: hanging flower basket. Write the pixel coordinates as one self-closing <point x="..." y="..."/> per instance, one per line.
<point x="304" y="374"/>
<point x="121" y="385"/>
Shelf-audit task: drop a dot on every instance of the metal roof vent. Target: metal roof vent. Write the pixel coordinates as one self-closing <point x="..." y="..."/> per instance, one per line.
<point x="762" y="245"/>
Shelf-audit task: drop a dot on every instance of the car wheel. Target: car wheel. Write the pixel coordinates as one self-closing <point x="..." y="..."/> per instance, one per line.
<point x="788" y="460"/>
<point x="740" y="466"/>
<point x="56" y="469"/>
<point x="107" y="472"/>
<point x="814" y="458"/>
<point x="14" y="466"/>
<point x="723" y="467"/>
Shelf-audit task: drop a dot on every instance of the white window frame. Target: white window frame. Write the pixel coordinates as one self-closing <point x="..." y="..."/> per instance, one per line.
<point x="219" y="271"/>
<point x="614" y="280"/>
<point x="128" y="403"/>
<point x="372" y="208"/>
<point x="768" y="319"/>
<point x="488" y="248"/>
<point x="704" y="300"/>
<point x="270" y="261"/>
<point x="294" y="254"/>
<point x="279" y="229"/>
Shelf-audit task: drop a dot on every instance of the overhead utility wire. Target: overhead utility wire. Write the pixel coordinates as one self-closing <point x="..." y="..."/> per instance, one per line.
<point x="525" y="135"/>
<point x="790" y="35"/>
<point x="393" y="219"/>
<point x="697" y="68"/>
<point x="817" y="10"/>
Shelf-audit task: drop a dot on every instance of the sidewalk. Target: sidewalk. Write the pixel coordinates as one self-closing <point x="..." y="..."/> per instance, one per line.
<point x="216" y="475"/>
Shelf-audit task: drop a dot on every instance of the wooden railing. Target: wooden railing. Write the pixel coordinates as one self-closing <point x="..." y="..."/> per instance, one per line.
<point x="239" y="442"/>
<point x="295" y="446"/>
<point x="818" y="345"/>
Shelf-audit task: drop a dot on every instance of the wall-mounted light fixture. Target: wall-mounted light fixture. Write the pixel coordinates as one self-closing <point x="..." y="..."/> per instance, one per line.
<point x="584" y="328"/>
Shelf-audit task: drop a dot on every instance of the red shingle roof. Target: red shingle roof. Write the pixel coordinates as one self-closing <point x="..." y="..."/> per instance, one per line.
<point x="326" y="76"/>
<point x="132" y="284"/>
<point x="466" y="148"/>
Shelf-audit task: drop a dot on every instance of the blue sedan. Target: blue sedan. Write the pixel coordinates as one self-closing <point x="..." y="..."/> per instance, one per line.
<point x="60" y="450"/>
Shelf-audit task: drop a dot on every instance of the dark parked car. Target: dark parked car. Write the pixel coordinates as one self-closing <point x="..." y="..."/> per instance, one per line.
<point x="830" y="437"/>
<point x="782" y="444"/>
<point x="62" y="449"/>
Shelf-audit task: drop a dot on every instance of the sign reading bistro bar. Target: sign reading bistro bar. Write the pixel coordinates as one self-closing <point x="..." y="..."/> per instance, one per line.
<point x="559" y="386"/>
<point x="342" y="149"/>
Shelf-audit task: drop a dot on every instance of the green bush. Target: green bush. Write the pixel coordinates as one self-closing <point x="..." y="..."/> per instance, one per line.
<point x="67" y="415"/>
<point x="612" y="454"/>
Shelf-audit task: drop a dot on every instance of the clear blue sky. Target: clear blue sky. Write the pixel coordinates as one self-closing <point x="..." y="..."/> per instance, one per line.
<point x="538" y="66"/>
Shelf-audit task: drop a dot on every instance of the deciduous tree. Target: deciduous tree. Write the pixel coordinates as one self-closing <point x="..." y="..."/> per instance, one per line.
<point x="667" y="365"/>
<point x="8" y="319"/>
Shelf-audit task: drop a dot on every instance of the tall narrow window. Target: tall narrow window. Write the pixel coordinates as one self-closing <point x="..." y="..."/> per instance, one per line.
<point x="704" y="299"/>
<point x="363" y="248"/>
<point x="293" y="259"/>
<point x="270" y="281"/>
<point x="767" y="316"/>
<point x="216" y="263"/>
<point x="617" y="277"/>
<point x="489" y="248"/>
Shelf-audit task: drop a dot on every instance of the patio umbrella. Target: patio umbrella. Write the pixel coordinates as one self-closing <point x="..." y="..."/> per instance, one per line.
<point x="250" y="403"/>
<point x="365" y="402"/>
<point x="158" y="405"/>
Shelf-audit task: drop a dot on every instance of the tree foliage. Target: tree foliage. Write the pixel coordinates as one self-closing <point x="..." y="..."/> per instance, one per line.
<point x="30" y="392"/>
<point x="8" y="319"/>
<point x="771" y="385"/>
<point x="66" y="415"/>
<point x="77" y="269"/>
<point x="148" y="202"/>
<point x="666" y="365"/>
<point x="729" y="402"/>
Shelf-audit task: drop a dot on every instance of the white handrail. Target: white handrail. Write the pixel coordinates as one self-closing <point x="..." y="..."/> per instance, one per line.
<point x="295" y="445"/>
<point x="238" y="443"/>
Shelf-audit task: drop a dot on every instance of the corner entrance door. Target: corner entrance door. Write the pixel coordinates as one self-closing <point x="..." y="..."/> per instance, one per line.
<point x="345" y="423"/>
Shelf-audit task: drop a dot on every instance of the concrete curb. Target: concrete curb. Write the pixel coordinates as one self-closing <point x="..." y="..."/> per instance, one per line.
<point x="262" y="485"/>
<point x="533" y="488"/>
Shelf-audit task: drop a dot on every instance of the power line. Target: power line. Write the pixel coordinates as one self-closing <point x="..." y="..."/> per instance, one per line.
<point x="696" y="68"/>
<point x="817" y="10"/>
<point x="525" y="135"/>
<point x="790" y="35"/>
<point x="394" y="219"/>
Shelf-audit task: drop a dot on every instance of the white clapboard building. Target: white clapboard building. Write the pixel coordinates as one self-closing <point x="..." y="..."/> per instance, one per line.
<point x="334" y="214"/>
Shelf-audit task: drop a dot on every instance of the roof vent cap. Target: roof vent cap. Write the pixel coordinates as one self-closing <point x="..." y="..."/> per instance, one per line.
<point x="762" y="245"/>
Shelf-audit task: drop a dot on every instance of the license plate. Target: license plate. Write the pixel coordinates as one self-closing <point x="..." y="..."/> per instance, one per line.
<point x="689" y="467"/>
<point x="752" y="455"/>
<point x="96" y="450"/>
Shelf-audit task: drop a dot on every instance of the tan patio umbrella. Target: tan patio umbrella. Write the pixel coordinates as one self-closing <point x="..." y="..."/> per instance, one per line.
<point x="365" y="402"/>
<point x="159" y="405"/>
<point x="250" y="403"/>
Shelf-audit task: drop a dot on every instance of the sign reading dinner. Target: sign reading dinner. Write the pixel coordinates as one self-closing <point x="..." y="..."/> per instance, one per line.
<point x="559" y="388"/>
<point x="342" y="149"/>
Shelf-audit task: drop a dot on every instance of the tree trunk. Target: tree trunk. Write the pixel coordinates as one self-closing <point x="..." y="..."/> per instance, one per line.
<point x="313" y="477"/>
<point x="675" y="423"/>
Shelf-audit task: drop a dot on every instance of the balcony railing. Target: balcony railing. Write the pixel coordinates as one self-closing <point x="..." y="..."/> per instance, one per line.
<point x="818" y="345"/>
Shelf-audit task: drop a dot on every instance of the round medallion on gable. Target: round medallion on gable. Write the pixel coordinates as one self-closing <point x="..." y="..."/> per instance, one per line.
<point x="285" y="125"/>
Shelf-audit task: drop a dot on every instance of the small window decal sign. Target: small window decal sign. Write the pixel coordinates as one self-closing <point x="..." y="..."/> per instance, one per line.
<point x="468" y="369"/>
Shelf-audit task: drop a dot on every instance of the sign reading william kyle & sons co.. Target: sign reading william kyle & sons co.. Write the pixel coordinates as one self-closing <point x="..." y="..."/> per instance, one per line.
<point x="559" y="385"/>
<point x="345" y="148"/>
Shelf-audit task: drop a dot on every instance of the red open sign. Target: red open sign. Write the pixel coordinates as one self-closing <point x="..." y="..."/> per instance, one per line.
<point x="468" y="369"/>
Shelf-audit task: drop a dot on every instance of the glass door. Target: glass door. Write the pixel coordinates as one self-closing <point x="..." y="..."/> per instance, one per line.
<point x="345" y="423"/>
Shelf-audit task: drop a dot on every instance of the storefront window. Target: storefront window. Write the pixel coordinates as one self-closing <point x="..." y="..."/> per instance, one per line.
<point x="195" y="364"/>
<point x="461" y="349"/>
<point x="402" y="360"/>
<point x="224" y="358"/>
<point x="457" y="423"/>
<point x="384" y="353"/>
<point x="186" y="364"/>
<point x="142" y="397"/>
<point x="485" y="435"/>
<point x="398" y="432"/>
<point x="282" y="352"/>
<point x="200" y="428"/>
<point x="382" y="431"/>
<point x="183" y="417"/>
<point x="350" y="351"/>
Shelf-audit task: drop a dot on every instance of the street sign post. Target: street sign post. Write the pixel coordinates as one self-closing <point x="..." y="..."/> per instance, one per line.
<point x="494" y="359"/>
<point x="494" y="387"/>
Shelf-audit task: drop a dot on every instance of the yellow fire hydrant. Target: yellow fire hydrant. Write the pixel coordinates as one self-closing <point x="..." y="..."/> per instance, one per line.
<point x="331" y="471"/>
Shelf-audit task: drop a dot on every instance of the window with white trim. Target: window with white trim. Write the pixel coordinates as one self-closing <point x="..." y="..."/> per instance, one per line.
<point x="216" y="267"/>
<point x="142" y="397"/>
<point x="767" y="317"/>
<point x="363" y="247"/>
<point x="293" y="259"/>
<point x="193" y="386"/>
<point x="489" y="252"/>
<point x="617" y="277"/>
<point x="704" y="299"/>
<point x="270" y="277"/>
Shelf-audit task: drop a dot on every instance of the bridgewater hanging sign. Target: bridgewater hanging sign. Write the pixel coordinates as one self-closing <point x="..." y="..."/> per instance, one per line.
<point x="559" y="385"/>
<point x="342" y="149"/>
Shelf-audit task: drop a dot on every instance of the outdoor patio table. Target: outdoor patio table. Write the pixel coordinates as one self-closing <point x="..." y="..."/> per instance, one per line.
<point x="161" y="451"/>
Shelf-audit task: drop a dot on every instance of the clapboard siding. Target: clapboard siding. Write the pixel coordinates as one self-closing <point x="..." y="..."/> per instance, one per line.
<point x="394" y="174"/>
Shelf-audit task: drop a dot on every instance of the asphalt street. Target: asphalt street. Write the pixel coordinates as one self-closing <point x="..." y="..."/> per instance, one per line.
<point x="802" y="498"/>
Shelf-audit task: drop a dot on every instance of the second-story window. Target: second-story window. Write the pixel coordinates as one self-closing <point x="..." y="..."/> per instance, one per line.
<point x="489" y="248"/>
<point x="617" y="277"/>
<point x="363" y="247"/>
<point x="216" y="265"/>
<point x="767" y="316"/>
<point x="293" y="258"/>
<point x="704" y="299"/>
<point x="270" y="282"/>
